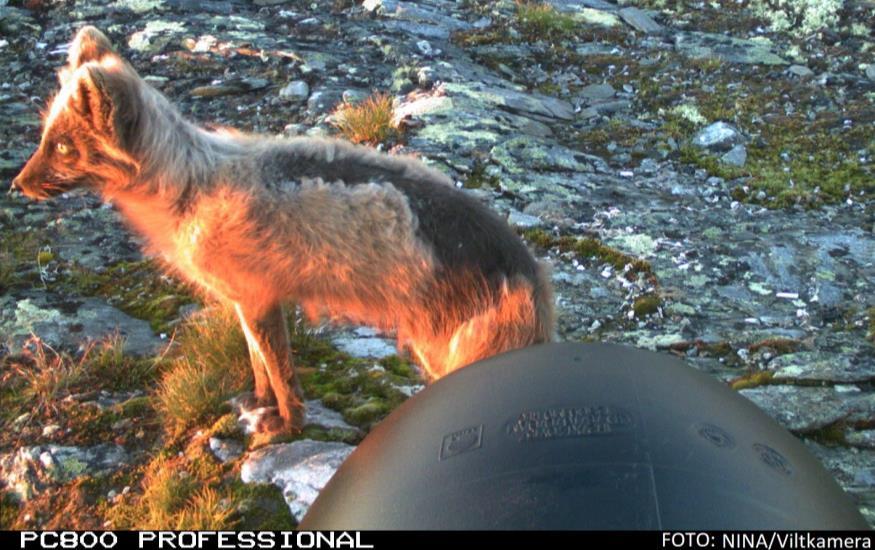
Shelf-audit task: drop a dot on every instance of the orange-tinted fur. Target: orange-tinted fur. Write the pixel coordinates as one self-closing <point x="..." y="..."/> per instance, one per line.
<point x="342" y="230"/>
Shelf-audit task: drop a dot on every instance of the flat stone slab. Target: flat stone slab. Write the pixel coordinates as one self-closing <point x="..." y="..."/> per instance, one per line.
<point x="639" y="20"/>
<point x="300" y="469"/>
<point x="517" y="102"/>
<point x="825" y="367"/>
<point x="65" y="322"/>
<point x="804" y="409"/>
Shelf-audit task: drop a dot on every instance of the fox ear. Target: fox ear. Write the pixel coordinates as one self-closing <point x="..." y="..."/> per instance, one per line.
<point x="106" y="97"/>
<point x="89" y="45"/>
<point x="93" y="99"/>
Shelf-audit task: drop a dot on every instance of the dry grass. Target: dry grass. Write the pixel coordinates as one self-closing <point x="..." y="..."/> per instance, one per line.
<point x="371" y="121"/>
<point x="43" y="376"/>
<point x="177" y="494"/>
<point x="206" y="510"/>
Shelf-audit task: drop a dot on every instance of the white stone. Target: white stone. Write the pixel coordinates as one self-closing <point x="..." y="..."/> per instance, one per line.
<point x="300" y="469"/>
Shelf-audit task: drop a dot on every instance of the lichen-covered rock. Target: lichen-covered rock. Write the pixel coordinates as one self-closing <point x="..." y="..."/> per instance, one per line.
<point x="29" y="470"/>
<point x="805" y="409"/>
<point x="639" y="20"/>
<point x="297" y="90"/>
<point x="719" y="136"/>
<point x="68" y="322"/>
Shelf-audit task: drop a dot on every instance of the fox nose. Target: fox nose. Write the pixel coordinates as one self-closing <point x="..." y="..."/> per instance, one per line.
<point x="15" y="185"/>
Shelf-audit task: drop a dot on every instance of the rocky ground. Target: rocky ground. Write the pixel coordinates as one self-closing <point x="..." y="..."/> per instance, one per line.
<point x="701" y="185"/>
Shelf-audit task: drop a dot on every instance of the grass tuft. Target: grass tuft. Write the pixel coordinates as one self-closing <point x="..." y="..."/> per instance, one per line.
<point x="206" y="510"/>
<point x="43" y="376"/>
<point x="371" y="121"/>
<point x="542" y="21"/>
<point x="211" y="366"/>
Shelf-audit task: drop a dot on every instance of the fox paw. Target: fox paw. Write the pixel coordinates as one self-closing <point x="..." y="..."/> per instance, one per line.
<point x="273" y="424"/>
<point x="250" y="401"/>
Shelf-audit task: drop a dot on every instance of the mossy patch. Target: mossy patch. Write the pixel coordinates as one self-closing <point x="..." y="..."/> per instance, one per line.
<point x="19" y="266"/>
<point x="714" y="166"/>
<point x="796" y="157"/>
<point x="646" y="305"/>
<point x="478" y="178"/>
<point x="832" y="435"/>
<point x="752" y="380"/>
<point x="140" y="289"/>
<point x="591" y="248"/>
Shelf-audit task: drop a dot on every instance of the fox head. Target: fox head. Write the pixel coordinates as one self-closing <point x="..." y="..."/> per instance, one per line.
<point x="87" y="125"/>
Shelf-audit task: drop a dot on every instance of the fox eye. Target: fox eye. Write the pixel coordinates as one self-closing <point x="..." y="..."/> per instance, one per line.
<point x="63" y="148"/>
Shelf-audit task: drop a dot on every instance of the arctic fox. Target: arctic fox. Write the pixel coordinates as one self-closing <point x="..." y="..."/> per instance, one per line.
<point x="344" y="231"/>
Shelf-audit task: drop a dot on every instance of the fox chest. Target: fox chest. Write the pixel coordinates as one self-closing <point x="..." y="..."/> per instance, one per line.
<point x="196" y="251"/>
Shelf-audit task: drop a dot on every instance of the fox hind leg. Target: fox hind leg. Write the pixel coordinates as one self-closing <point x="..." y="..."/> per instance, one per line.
<point x="270" y="354"/>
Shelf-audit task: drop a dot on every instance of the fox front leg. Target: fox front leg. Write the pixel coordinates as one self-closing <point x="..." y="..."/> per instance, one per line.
<point x="268" y="338"/>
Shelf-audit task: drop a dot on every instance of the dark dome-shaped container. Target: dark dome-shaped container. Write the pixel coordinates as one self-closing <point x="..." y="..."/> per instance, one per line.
<point x="581" y="436"/>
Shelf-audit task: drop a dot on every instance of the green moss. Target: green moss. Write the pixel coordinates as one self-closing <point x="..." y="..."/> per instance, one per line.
<point x="366" y="413"/>
<point x="226" y="427"/>
<point x="18" y="251"/>
<point x="261" y="507"/>
<point x="810" y="181"/>
<point x="399" y="366"/>
<point x="832" y="435"/>
<point x="794" y="160"/>
<point x="752" y="380"/>
<point x="492" y="35"/>
<point x="348" y="384"/>
<point x="318" y="433"/>
<point x="134" y="407"/>
<point x="478" y="178"/>
<point x="646" y="305"/>
<point x="590" y="248"/>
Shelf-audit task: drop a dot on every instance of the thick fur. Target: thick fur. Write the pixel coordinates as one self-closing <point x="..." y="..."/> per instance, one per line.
<point x="342" y="230"/>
